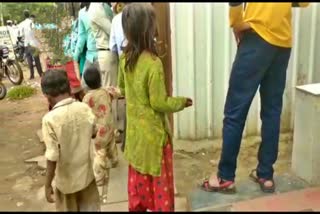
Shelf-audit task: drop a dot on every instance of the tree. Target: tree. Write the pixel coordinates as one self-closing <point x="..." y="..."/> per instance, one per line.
<point x="14" y="11"/>
<point x="57" y="13"/>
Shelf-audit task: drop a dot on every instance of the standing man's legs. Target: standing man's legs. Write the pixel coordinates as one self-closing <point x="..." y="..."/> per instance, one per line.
<point x="271" y="92"/>
<point x="37" y="61"/>
<point x="108" y="66"/>
<point x="253" y="59"/>
<point x="30" y="61"/>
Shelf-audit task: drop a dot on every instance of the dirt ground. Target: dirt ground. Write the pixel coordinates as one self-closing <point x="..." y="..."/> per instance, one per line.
<point x="20" y="183"/>
<point x="191" y="168"/>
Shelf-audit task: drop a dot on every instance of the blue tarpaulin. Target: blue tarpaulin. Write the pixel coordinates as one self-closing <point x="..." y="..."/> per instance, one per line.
<point x="45" y="26"/>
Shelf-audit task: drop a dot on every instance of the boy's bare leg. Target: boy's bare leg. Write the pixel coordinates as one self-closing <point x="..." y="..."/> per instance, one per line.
<point x="104" y="188"/>
<point x="112" y="153"/>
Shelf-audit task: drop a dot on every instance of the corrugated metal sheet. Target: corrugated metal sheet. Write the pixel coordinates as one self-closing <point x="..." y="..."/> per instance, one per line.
<point x="203" y="49"/>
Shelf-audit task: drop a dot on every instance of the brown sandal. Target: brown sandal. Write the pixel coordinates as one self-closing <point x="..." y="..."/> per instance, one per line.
<point x="226" y="187"/>
<point x="262" y="181"/>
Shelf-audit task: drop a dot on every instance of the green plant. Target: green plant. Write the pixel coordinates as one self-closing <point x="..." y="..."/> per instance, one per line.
<point x="57" y="13"/>
<point x="54" y="37"/>
<point x="21" y="92"/>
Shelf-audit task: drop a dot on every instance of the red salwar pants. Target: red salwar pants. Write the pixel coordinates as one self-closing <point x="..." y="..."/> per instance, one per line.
<point x="146" y="192"/>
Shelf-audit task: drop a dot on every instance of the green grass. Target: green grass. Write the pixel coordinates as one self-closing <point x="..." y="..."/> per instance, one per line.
<point x="21" y="92"/>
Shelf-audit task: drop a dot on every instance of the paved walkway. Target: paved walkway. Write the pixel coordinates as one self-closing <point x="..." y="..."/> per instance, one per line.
<point x="301" y="200"/>
<point x="249" y="193"/>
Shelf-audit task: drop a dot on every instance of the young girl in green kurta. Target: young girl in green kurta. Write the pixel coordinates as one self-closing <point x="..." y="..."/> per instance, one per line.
<point x="148" y="146"/>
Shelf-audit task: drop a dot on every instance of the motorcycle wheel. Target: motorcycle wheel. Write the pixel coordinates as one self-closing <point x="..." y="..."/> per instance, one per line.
<point x="3" y="91"/>
<point x="14" y="72"/>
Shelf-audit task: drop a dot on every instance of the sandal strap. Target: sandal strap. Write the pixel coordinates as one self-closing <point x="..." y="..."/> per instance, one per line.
<point x="222" y="184"/>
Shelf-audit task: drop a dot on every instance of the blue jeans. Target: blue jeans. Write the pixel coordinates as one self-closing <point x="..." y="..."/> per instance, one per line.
<point x="257" y="63"/>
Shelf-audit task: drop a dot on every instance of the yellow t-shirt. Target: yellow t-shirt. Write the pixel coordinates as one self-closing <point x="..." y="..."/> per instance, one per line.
<point x="272" y="21"/>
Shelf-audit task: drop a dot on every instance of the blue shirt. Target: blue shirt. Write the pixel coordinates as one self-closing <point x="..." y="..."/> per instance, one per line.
<point x="85" y="36"/>
<point x="117" y="38"/>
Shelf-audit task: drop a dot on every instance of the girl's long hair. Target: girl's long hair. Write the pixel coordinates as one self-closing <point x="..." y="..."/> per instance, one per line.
<point x="85" y="4"/>
<point x="139" y="27"/>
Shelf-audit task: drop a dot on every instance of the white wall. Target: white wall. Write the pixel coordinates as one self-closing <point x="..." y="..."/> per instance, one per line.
<point x="203" y="49"/>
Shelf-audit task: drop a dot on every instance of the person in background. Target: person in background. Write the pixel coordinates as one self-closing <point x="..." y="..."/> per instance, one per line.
<point x="32" y="17"/>
<point x="117" y="38"/>
<point x="100" y="15"/>
<point x="67" y="132"/>
<point x="74" y="40"/>
<point x="263" y="33"/>
<point x="31" y="43"/>
<point x="12" y="32"/>
<point x="106" y="154"/>
<point x="15" y="28"/>
<point x="85" y="40"/>
<point x="116" y="43"/>
<point x="148" y="146"/>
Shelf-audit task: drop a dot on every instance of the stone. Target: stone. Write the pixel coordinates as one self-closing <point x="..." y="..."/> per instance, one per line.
<point x="19" y="204"/>
<point x="42" y="164"/>
<point x="214" y="162"/>
<point x="26" y="152"/>
<point x="23" y="184"/>
<point x="35" y="159"/>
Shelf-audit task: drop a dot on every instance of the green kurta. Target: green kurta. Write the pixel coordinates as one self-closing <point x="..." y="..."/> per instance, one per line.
<point x="146" y="110"/>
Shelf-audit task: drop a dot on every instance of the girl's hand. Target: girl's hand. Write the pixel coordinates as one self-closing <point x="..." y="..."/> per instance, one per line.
<point x="189" y="102"/>
<point x="114" y="92"/>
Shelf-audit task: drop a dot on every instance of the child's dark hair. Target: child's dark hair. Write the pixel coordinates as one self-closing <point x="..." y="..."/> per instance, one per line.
<point x="92" y="77"/>
<point x="55" y="83"/>
<point x="26" y="13"/>
<point x="85" y="4"/>
<point x="140" y="29"/>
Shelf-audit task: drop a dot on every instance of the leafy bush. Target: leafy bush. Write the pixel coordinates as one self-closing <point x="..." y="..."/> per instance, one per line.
<point x="21" y="92"/>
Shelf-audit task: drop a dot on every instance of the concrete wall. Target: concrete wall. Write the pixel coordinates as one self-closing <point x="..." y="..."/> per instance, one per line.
<point x="203" y="49"/>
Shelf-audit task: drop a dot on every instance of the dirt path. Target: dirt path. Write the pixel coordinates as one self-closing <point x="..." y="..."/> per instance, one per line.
<point x="19" y="182"/>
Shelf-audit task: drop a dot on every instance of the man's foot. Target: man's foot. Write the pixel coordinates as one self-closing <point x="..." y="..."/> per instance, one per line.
<point x="266" y="185"/>
<point x="31" y="78"/>
<point x="216" y="184"/>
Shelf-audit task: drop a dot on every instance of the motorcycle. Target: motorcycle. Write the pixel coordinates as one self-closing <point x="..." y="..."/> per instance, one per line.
<point x="3" y="91"/>
<point x="10" y="67"/>
<point x="19" y="51"/>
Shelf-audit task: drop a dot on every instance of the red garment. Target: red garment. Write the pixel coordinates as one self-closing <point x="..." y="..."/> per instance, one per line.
<point x="73" y="79"/>
<point x="69" y="68"/>
<point x="146" y="192"/>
